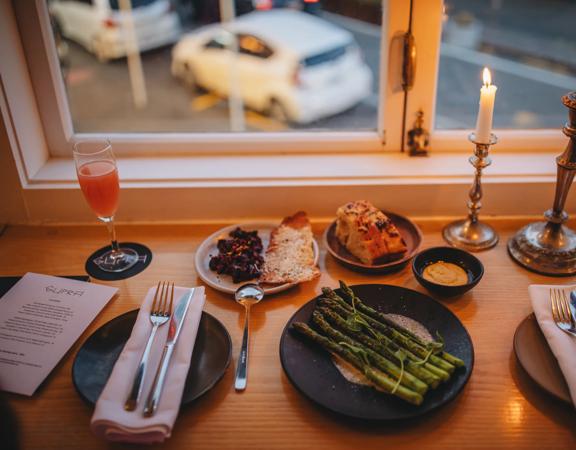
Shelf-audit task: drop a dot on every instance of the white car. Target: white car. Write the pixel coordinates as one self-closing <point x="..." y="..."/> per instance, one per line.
<point x="98" y="25"/>
<point x="291" y="65"/>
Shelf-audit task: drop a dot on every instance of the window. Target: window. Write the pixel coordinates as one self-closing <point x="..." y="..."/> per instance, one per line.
<point x="219" y="42"/>
<point x="135" y="68"/>
<point x="40" y="98"/>
<point x="325" y="57"/>
<point x="87" y="86"/>
<point x="252" y="46"/>
<point x="528" y="111"/>
<point x="532" y="56"/>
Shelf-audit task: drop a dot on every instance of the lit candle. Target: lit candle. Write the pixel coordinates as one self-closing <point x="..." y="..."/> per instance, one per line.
<point x="486" y="110"/>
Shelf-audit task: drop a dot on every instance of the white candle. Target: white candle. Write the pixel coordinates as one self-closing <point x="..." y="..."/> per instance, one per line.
<point x="486" y="110"/>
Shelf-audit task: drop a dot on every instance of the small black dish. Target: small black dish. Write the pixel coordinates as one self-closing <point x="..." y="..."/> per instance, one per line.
<point x="467" y="261"/>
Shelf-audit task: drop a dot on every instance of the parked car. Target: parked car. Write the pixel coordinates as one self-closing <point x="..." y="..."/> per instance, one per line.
<point x="98" y="24"/>
<point x="292" y="65"/>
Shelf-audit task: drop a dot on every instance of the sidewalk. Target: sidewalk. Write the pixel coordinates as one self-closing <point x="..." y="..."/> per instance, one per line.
<point x="541" y="32"/>
<point x="519" y="44"/>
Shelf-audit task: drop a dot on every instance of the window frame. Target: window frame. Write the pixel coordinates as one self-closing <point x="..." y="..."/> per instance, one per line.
<point x="426" y="27"/>
<point x="58" y="129"/>
<point x="427" y="30"/>
<point x="263" y="184"/>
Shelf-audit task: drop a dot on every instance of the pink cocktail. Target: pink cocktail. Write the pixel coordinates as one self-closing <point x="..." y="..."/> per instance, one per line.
<point x="98" y="178"/>
<point x="101" y="187"/>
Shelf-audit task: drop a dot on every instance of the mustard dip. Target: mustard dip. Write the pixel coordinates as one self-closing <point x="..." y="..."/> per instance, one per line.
<point x="444" y="273"/>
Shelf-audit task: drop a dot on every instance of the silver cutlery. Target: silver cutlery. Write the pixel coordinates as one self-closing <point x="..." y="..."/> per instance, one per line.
<point x="176" y="323"/>
<point x="246" y="295"/>
<point x="159" y="315"/>
<point x="561" y="312"/>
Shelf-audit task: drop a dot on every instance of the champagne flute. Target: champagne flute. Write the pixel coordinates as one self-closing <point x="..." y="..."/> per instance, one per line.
<point x="98" y="178"/>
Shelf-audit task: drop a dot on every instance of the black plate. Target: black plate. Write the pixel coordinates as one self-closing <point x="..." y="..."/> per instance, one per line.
<point x="97" y="356"/>
<point x="311" y="371"/>
<point x="536" y="358"/>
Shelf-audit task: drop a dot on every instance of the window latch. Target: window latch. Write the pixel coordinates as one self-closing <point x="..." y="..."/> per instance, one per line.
<point x="409" y="61"/>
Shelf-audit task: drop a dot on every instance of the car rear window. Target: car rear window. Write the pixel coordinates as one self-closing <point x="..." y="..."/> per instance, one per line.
<point x="135" y="4"/>
<point x="324" y="57"/>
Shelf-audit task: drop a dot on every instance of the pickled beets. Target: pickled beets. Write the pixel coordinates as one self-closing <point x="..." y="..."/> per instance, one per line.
<point x="240" y="257"/>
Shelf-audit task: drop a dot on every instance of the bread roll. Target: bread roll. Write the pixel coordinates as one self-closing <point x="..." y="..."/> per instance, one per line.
<point x="367" y="232"/>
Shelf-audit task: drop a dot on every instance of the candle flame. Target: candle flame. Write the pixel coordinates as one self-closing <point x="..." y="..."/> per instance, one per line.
<point x="486" y="77"/>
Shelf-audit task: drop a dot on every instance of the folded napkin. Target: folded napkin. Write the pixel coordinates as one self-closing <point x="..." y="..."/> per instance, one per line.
<point x="110" y="420"/>
<point x="562" y="344"/>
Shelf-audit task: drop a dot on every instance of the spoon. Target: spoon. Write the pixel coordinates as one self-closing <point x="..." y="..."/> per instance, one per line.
<point x="247" y="295"/>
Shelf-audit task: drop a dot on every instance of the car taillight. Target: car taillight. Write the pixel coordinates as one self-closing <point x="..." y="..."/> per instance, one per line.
<point x="263" y="5"/>
<point x="109" y="23"/>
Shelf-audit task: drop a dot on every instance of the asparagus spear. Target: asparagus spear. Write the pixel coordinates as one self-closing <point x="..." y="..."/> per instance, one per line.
<point x="367" y="310"/>
<point x="345" y="313"/>
<point x="426" y="372"/>
<point x="398" y="337"/>
<point x="382" y="381"/>
<point x="381" y="363"/>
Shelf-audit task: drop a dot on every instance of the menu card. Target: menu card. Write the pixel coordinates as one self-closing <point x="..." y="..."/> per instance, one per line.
<point x="41" y="316"/>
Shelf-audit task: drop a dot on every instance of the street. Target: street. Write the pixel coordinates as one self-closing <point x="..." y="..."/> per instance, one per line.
<point x="100" y="96"/>
<point x="101" y="101"/>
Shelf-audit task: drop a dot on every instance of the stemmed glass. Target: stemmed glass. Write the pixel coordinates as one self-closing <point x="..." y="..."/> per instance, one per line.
<point x="98" y="177"/>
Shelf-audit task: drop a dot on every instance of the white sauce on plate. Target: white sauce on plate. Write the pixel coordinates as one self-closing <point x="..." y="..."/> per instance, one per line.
<point x="353" y="375"/>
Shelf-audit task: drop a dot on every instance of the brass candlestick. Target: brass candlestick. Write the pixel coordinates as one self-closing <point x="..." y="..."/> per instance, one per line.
<point x="550" y="247"/>
<point x="470" y="233"/>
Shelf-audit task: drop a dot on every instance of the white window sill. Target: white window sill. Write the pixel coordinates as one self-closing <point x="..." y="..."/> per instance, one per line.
<point x="307" y="170"/>
<point x="233" y="189"/>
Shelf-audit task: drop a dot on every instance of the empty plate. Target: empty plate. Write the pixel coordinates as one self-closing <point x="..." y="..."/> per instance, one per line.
<point x="536" y="358"/>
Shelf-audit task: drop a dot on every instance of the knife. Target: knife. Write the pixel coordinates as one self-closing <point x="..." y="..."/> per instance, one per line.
<point x="175" y="327"/>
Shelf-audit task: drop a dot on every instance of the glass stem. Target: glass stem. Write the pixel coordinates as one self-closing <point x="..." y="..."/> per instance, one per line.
<point x="112" y="231"/>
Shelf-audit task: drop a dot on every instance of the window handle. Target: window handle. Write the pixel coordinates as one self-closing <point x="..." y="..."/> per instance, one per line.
<point x="409" y="61"/>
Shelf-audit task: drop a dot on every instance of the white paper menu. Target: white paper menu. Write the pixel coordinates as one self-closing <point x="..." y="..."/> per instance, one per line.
<point x="41" y="317"/>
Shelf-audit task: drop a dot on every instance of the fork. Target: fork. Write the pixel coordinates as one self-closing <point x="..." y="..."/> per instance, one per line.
<point x="159" y="315"/>
<point x="561" y="312"/>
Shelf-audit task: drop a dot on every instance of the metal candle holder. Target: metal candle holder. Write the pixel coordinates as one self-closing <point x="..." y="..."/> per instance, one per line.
<point x="470" y="233"/>
<point x="550" y="247"/>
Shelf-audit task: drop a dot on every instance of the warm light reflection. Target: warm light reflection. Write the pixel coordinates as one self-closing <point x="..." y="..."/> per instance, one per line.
<point x="515" y="412"/>
<point x="486" y="77"/>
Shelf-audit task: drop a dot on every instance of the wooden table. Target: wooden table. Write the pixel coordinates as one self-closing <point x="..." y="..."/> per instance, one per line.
<point x="499" y="408"/>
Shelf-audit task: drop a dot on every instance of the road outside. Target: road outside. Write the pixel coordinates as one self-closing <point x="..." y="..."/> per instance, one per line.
<point x="530" y="82"/>
<point x="101" y="100"/>
<point x="530" y="48"/>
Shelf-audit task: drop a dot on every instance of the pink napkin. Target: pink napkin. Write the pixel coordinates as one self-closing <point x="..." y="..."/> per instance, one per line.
<point x="562" y="344"/>
<point x="110" y="420"/>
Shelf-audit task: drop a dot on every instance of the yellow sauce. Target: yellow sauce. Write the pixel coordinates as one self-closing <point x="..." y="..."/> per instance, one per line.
<point x="444" y="273"/>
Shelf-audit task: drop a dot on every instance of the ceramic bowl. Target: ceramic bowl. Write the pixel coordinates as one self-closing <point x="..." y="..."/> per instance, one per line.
<point x="467" y="261"/>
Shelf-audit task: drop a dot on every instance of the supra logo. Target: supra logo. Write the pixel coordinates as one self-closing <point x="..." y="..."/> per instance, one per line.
<point x="59" y="291"/>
